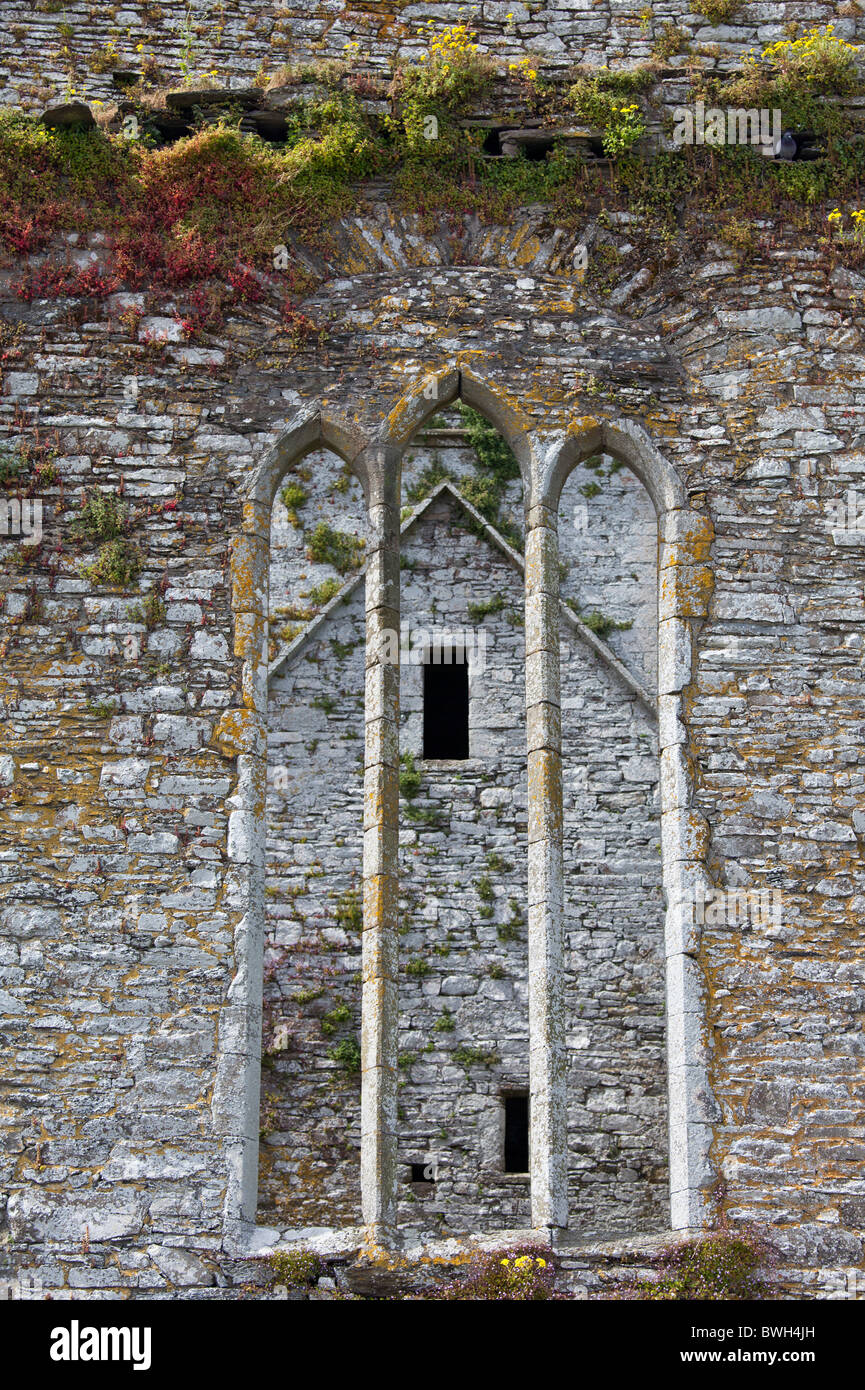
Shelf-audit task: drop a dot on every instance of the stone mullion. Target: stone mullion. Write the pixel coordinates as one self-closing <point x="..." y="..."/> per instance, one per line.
<point x="241" y="734"/>
<point x="548" y="1138"/>
<point x="380" y="851"/>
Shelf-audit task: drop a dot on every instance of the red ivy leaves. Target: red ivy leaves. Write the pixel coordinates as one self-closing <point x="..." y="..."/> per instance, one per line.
<point x="52" y="281"/>
<point x="193" y="217"/>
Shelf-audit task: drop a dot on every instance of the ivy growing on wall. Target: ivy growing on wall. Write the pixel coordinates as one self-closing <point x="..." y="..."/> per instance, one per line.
<point x="217" y="218"/>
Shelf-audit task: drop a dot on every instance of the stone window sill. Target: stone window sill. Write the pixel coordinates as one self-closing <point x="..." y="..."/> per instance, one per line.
<point x="451" y="764"/>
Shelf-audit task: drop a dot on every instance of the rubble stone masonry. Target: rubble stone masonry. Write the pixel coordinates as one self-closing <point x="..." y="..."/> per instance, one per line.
<point x="260" y="961"/>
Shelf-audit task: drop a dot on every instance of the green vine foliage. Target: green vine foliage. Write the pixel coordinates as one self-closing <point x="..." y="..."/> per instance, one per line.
<point x="117" y="565"/>
<point x="597" y="97"/>
<point x="103" y="517"/>
<point x="338" y="548"/>
<point x="717" y="11"/>
<point x="295" y="1269"/>
<point x="795" y="76"/>
<point x="498" y="466"/>
<point x="495" y="456"/>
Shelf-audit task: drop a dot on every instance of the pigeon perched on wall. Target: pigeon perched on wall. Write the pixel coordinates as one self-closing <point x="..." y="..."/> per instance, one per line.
<point x="787" y="147"/>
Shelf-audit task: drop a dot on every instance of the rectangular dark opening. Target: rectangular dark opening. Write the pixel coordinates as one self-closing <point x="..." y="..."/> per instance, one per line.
<point x="517" y="1134"/>
<point x="421" y="1172"/>
<point x="446" y="707"/>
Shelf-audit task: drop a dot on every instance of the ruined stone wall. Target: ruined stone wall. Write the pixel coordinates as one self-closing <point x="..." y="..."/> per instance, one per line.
<point x="122" y="911"/>
<point x="463" y="1015"/>
<point x="51" y="48"/>
<point x="310" y="1136"/>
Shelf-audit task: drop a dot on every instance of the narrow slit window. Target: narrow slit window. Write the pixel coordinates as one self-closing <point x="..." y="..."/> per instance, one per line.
<point x="446" y="706"/>
<point x="517" y="1134"/>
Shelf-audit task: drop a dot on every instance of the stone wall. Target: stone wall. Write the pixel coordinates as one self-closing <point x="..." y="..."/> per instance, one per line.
<point x="463" y="1036"/>
<point x="52" y="48"/>
<point x="124" y="920"/>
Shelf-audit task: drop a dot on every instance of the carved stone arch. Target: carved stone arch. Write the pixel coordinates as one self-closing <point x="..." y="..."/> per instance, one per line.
<point x="241" y="734"/>
<point x="627" y="441"/>
<point x="685" y="583"/>
<point x="434" y="391"/>
<point x="310" y="430"/>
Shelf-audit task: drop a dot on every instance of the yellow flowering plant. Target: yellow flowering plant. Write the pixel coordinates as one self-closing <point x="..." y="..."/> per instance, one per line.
<point x="525" y="1274"/>
<point x="856" y="236"/>
<point x="450" y="70"/>
<point x="448" y="75"/>
<point x="600" y="99"/>
<point x="793" y="75"/>
<point x="818" y="58"/>
<point x="524" y="69"/>
<point x="625" y="128"/>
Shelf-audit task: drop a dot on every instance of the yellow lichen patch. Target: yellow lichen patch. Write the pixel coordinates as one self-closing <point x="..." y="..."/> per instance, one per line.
<point x="256" y="518"/>
<point x="545" y="795"/>
<point x="239" y="731"/>
<point x="684" y="591"/>
<point x="583" y="424"/>
<point x="658" y="424"/>
<point x="249" y="635"/>
<point x="248" y="571"/>
<point x="501" y="406"/>
<point x="526" y="248"/>
<point x="693" y="544"/>
<point x="557" y="306"/>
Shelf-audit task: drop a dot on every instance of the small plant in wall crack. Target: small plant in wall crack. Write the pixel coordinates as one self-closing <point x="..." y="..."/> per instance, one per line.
<point x="521" y="1274"/>
<point x="346" y="1054"/>
<point x="598" y="623"/>
<point x="484" y="890"/>
<point x="348" y="913"/>
<point x="479" y="611"/>
<point x="409" y="776"/>
<point x="151" y="611"/>
<point x="469" y="1057"/>
<point x="102" y="709"/>
<point x="117" y="565"/>
<point x="340" y="1013"/>
<point x="103" y="517"/>
<point x="727" y="1264"/>
<point x="295" y="1269"/>
<point x="293" y="497"/>
<point x="338" y="548"/>
<point x="717" y="11"/>
<point x="510" y="930"/>
<point x="445" y="1022"/>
